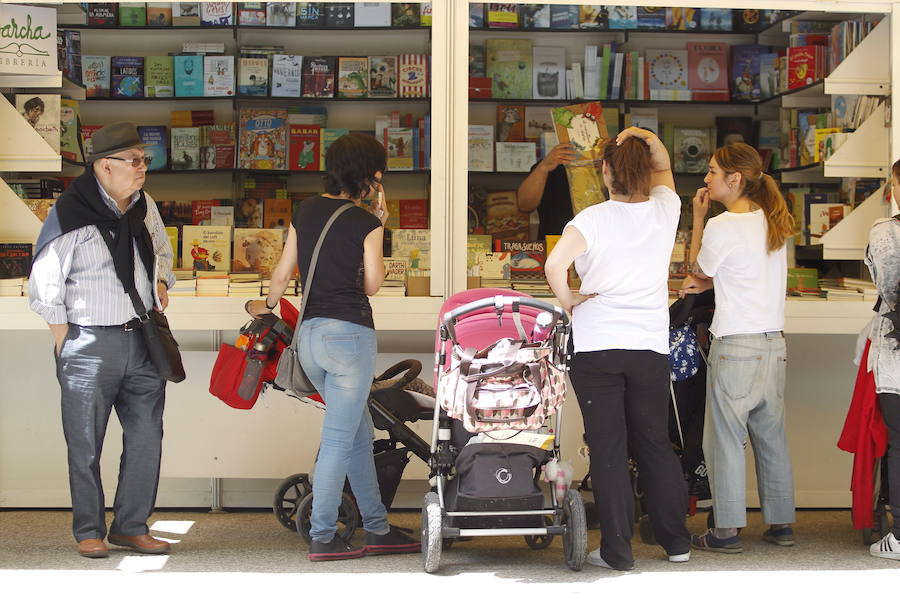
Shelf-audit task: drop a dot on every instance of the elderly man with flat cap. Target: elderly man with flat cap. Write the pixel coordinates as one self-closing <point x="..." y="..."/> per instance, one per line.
<point x="103" y="239"/>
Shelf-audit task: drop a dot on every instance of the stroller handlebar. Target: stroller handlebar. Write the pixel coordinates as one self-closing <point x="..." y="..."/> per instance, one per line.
<point x="450" y="317"/>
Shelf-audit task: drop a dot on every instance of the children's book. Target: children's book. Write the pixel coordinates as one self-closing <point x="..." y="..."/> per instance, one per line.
<point x="305" y="147"/>
<point x="263" y="138"/>
<point x="481" y="148"/>
<point x="69" y="140"/>
<point x="708" y="76"/>
<point x="216" y="13"/>
<point x="159" y="14"/>
<point x="206" y="248"/>
<point x="277" y="213"/>
<point x="382" y="76"/>
<point x="515" y="157"/>
<point x="188" y="75"/>
<point x="329" y="135"/>
<point x="253" y="76"/>
<point x="584" y="127"/>
<point x="95" y="74"/>
<point x="286" y="75"/>
<point x="526" y="259"/>
<point x="668" y="73"/>
<point x="413" y="76"/>
<point x="353" y="77"/>
<point x="509" y="65"/>
<point x="510" y="123"/>
<point x="218" y="76"/>
<point x="413" y="245"/>
<point x="504" y="219"/>
<point x="159" y="77"/>
<point x="399" y="144"/>
<point x="745" y="70"/>
<point x="257" y="250"/>
<point x="549" y="73"/>
<point x="318" y="76"/>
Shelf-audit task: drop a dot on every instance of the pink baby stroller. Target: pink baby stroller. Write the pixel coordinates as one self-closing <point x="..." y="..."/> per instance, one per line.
<point x="500" y="379"/>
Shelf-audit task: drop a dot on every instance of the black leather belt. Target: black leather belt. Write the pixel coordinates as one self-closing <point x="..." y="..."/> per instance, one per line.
<point x="132" y="325"/>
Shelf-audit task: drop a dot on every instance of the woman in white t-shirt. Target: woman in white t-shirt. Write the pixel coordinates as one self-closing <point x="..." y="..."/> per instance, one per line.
<point x="620" y="370"/>
<point x="742" y="253"/>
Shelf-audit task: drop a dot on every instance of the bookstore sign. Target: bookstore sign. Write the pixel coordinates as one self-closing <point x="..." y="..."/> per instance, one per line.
<point x="27" y="40"/>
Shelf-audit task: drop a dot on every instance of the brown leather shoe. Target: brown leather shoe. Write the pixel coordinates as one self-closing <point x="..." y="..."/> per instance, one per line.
<point x="93" y="548"/>
<point x="145" y="544"/>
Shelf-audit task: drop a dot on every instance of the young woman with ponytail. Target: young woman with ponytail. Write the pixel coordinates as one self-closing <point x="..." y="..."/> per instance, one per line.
<point x="620" y="369"/>
<point x="742" y="253"/>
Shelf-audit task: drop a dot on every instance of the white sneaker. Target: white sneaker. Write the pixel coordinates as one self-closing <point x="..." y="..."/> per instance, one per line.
<point x="680" y="558"/>
<point x="595" y="559"/>
<point x="888" y="547"/>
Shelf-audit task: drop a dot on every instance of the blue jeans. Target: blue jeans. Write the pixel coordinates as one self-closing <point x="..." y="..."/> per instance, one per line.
<point x="745" y="397"/>
<point x="339" y="359"/>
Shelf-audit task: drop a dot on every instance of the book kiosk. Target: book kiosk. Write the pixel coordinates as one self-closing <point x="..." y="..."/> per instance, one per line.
<point x="451" y="137"/>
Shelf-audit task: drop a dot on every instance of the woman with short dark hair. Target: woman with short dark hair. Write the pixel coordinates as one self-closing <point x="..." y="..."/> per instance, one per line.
<point x="620" y="336"/>
<point x="337" y="343"/>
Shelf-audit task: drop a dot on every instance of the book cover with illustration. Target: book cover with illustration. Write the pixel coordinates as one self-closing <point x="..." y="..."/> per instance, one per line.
<point x="504" y="219"/>
<point x="509" y="65"/>
<point x="188" y="75"/>
<point x="413" y="245"/>
<point x="329" y="134"/>
<point x="692" y="150"/>
<point x="534" y="16"/>
<point x="257" y="250"/>
<point x="252" y="14"/>
<point x="584" y="127"/>
<point x="382" y="76"/>
<point x="286" y="75"/>
<point x="248" y="212"/>
<point x="253" y="76"/>
<point x="510" y="123"/>
<point x="305" y="143"/>
<point x="186" y="14"/>
<point x="339" y="14"/>
<point x="206" y="248"/>
<point x="263" y="138"/>
<point x="515" y="157"/>
<point x="281" y="14"/>
<point x="651" y="17"/>
<point x="395" y="269"/>
<point x="159" y="14"/>
<point x="622" y="17"/>
<point x="481" y="148"/>
<point x="277" y="213"/>
<point x="538" y="121"/>
<point x="155" y="136"/>
<point x="526" y="259"/>
<point x="216" y="13"/>
<point x="549" y="73"/>
<point x="715" y="19"/>
<point x="217" y="146"/>
<point x="682" y="19"/>
<point x="86" y="132"/>
<point x="69" y="121"/>
<point x="405" y="14"/>
<point x="132" y="14"/>
<point x="593" y="16"/>
<point x="95" y="75"/>
<point x="41" y="111"/>
<point x="399" y="144"/>
<point x="477" y="244"/>
<point x="159" y="77"/>
<point x="708" y="75"/>
<point x="564" y="16"/>
<point x="185" y="148"/>
<point x="318" y="76"/>
<point x="218" y="76"/>
<point x="201" y="211"/>
<point x="102" y="14"/>
<point x="668" y="74"/>
<point x="353" y="77"/>
<point x="745" y="69"/>
<point x="412" y="74"/>
<point x="127" y="78"/>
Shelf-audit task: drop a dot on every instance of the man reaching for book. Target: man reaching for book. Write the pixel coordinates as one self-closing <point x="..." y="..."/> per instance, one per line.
<point x="547" y="189"/>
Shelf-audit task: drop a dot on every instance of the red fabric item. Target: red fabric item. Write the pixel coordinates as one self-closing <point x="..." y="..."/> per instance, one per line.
<point x="865" y="436"/>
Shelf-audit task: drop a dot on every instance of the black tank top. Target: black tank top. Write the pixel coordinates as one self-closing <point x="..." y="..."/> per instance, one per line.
<point x="337" y="290"/>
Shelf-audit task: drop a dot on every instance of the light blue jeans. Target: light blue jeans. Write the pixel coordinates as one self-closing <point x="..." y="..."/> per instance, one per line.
<point x="339" y="359"/>
<point x="745" y="397"/>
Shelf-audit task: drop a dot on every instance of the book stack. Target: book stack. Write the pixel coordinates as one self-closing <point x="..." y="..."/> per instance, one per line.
<point x="292" y="288"/>
<point x="247" y="285"/>
<point x="493" y="268"/>
<point x="185" y="284"/>
<point x="13" y="286"/>
<point x="836" y="289"/>
<point x="394" y="278"/>
<point x="212" y="284"/>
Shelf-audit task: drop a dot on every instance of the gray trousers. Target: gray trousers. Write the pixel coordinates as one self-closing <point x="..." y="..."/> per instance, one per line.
<point x="99" y="369"/>
<point x="745" y="397"/>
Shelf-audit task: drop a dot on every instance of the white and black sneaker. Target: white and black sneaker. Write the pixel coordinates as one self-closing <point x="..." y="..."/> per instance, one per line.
<point x="887" y="547"/>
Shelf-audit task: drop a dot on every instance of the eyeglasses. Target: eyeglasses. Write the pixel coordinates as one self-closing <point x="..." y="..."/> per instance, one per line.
<point x="135" y="162"/>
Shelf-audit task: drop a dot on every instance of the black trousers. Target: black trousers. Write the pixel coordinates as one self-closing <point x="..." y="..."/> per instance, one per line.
<point x="890" y="410"/>
<point x="624" y="397"/>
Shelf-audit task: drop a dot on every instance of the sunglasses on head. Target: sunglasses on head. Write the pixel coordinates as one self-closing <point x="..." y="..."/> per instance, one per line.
<point x="135" y="162"/>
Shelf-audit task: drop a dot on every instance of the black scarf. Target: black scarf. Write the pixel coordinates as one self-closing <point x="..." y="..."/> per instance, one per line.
<point x="82" y="205"/>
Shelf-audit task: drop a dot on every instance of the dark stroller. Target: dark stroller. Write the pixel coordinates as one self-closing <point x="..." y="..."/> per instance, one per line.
<point x="686" y="416"/>
<point x="393" y="402"/>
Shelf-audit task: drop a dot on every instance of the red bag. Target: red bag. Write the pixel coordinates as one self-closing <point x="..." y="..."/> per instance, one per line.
<point x="232" y="364"/>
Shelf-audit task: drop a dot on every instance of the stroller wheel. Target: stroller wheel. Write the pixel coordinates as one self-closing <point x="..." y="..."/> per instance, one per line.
<point x="575" y="536"/>
<point x="288" y="497"/>
<point x="432" y="525"/>
<point x="539" y="542"/>
<point x="347" y="522"/>
<point x="645" y="529"/>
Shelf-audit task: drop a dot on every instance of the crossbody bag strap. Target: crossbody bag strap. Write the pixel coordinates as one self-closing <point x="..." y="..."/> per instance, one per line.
<point x="315" y="258"/>
<point x="136" y="301"/>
